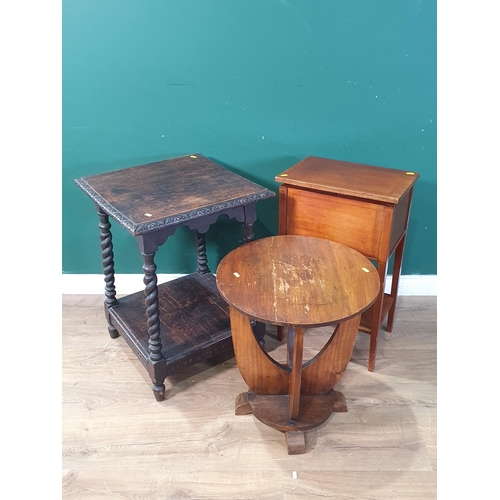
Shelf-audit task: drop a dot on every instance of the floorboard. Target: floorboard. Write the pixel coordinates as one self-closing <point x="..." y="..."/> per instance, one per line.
<point x="118" y="442"/>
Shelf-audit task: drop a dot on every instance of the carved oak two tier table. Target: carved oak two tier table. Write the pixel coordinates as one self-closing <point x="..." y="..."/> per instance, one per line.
<point x="184" y="321"/>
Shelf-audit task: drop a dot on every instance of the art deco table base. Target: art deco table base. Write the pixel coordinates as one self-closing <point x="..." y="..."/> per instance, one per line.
<point x="296" y="282"/>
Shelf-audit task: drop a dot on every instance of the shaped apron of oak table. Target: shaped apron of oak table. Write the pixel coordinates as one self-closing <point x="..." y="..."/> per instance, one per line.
<point x="295" y="282"/>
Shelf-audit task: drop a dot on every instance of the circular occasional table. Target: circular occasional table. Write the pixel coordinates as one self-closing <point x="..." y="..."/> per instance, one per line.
<point x="296" y="282"/>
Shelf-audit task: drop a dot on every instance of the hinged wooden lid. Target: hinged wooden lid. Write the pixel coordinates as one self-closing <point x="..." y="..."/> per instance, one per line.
<point x="350" y="179"/>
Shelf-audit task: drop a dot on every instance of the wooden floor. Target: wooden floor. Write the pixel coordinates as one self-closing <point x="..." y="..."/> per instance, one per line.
<point x="119" y="443"/>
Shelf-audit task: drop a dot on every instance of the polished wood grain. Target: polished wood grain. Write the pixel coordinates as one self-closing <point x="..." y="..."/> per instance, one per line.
<point x="299" y="281"/>
<point x="362" y="206"/>
<point x="118" y="442"/>
<point x="163" y="193"/>
<point x="295" y="378"/>
<point x="260" y="371"/>
<point x="184" y="321"/>
<point x="324" y="371"/>
<point x="350" y="179"/>
<point x="294" y="281"/>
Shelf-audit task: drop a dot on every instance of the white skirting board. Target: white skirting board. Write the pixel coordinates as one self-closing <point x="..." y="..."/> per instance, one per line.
<point x="413" y="284"/>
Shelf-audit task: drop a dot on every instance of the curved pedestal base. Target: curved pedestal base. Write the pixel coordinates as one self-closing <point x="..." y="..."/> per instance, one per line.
<point x="273" y="410"/>
<point x="294" y="398"/>
<point x="295" y="282"/>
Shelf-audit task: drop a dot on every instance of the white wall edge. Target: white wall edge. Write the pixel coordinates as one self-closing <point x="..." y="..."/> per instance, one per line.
<point x="413" y="284"/>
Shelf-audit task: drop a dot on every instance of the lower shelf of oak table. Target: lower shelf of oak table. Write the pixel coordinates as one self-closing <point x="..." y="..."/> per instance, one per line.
<point x="194" y="321"/>
<point x="366" y="317"/>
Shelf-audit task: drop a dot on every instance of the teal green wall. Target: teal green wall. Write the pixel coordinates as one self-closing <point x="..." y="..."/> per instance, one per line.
<point x="254" y="85"/>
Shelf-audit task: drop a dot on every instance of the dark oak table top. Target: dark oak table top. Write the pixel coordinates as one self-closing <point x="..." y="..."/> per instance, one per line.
<point x="149" y="197"/>
<point x="297" y="280"/>
<point x="349" y="179"/>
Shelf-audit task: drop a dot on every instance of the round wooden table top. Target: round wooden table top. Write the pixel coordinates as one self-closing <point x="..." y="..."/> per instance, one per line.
<point x="297" y="281"/>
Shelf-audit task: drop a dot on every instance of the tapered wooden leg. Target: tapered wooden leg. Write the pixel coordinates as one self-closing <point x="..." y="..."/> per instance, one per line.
<point x="377" y="315"/>
<point x="396" y="273"/>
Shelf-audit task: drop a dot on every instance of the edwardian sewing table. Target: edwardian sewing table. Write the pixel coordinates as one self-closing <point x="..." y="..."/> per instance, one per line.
<point x="296" y="282"/>
<point x="364" y="207"/>
<point x="183" y="321"/>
